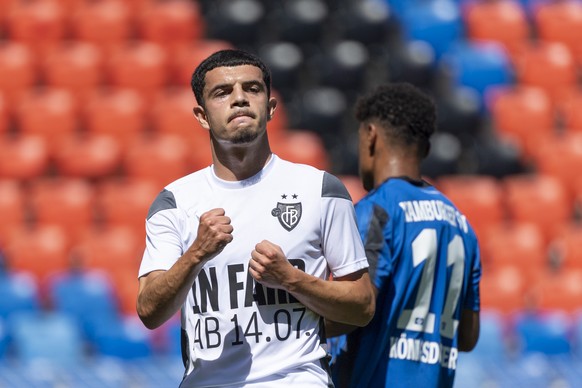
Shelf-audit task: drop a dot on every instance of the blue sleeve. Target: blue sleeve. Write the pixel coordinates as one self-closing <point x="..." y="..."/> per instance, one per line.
<point x="373" y="223"/>
<point x="472" y="300"/>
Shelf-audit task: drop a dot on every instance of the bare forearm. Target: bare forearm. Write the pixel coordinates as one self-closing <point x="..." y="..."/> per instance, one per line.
<point x="162" y="295"/>
<point x="346" y="302"/>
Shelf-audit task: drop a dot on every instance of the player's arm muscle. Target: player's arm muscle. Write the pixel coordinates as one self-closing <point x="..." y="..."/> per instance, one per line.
<point x="468" y="330"/>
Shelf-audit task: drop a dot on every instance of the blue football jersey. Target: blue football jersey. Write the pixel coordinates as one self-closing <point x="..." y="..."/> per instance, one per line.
<point x="424" y="260"/>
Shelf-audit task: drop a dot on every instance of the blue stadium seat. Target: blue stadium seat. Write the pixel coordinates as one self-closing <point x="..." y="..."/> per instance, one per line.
<point x="88" y="296"/>
<point x="547" y="333"/>
<point x="124" y="338"/>
<point x="18" y="292"/>
<point x="478" y="65"/>
<point x="49" y="336"/>
<point x="492" y="343"/>
<point x="437" y="22"/>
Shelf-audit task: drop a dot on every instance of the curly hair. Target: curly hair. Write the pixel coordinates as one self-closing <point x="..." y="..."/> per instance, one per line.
<point x="226" y="58"/>
<point x="406" y="113"/>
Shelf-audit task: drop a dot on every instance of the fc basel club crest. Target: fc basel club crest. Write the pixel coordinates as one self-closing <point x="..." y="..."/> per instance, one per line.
<point x="288" y="214"/>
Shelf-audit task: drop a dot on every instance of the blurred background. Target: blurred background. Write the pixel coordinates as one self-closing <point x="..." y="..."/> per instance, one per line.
<point x="95" y="118"/>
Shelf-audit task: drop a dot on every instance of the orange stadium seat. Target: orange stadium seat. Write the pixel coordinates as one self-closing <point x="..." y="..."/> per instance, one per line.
<point x="171" y="22"/>
<point x="73" y="65"/>
<point x="139" y="65"/>
<point x="186" y="57"/>
<point x="68" y="203"/>
<point x="570" y="110"/>
<point x="518" y="111"/>
<point x="47" y="112"/>
<point x="172" y="113"/>
<point x="41" y="250"/>
<point x="478" y="197"/>
<point x="39" y="24"/>
<point x="548" y="65"/>
<point x="301" y="146"/>
<point x="504" y="290"/>
<point x="106" y="23"/>
<point x="516" y="244"/>
<point x="23" y="157"/>
<point x="12" y="207"/>
<point x="88" y="156"/>
<point x="568" y="247"/>
<point x="560" y="21"/>
<point x="503" y="21"/>
<point x="118" y="112"/>
<point x="125" y="202"/>
<point x="560" y="290"/>
<point x="18" y="70"/>
<point x="114" y="248"/>
<point x="162" y="159"/>
<point x="4" y="115"/>
<point x="539" y="199"/>
<point x="126" y="287"/>
<point x="560" y="156"/>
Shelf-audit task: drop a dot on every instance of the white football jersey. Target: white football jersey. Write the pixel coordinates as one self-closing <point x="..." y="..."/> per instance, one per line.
<point x="238" y="332"/>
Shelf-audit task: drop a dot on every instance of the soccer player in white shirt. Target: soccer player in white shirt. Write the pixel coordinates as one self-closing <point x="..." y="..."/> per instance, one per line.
<point x="245" y="247"/>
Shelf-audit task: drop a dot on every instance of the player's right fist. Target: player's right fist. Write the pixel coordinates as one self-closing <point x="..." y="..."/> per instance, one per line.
<point x="214" y="232"/>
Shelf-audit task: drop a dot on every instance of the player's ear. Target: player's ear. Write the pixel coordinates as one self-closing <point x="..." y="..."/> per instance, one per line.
<point x="200" y="115"/>
<point x="272" y="106"/>
<point x="372" y="137"/>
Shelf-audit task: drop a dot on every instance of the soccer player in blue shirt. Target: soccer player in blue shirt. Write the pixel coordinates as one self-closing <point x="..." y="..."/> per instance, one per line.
<point x="423" y="255"/>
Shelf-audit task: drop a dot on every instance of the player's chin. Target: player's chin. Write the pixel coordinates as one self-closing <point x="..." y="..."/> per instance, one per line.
<point x="244" y="136"/>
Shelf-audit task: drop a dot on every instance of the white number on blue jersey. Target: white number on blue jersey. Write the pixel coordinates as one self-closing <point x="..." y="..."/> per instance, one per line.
<point x="419" y="318"/>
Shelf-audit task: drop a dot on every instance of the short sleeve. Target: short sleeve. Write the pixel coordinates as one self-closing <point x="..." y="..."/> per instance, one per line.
<point x="472" y="300"/>
<point x="163" y="237"/>
<point x="342" y="245"/>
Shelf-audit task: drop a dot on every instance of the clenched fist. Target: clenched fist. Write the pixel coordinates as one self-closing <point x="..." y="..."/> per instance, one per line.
<point x="214" y="232"/>
<point x="269" y="265"/>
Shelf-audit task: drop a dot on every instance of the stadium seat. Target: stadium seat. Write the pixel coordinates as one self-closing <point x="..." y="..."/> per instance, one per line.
<point x="139" y="65"/>
<point x="341" y="65"/>
<point x="106" y="23"/>
<point x="125" y="339"/>
<point x="13" y="207"/>
<point x="186" y="57"/>
<point x="504" y="290"/>
<point x="86" y="295"/>
<point x="90" y="156"/>
<point x="39" y="24"/>
<point x="172" y="22"/>
<point x="545" y="333"/>
<point x="46" y="336"/>
<point x="18" y="70"/>
<point x="478" y="197"/>
<point x="126" y="202"/>
<point x="559" y="156"/>
<point x="126" y="287"/>
<point x="172" y="113"/>
<point x="118" y="112"/>
<point x="68" y="203"/>
<point x="301" y="146"/>
<point x="547" y="65"/>
<point x="478" y="65"/>
<point x="48" y="112"/>
<point x="517" y="244"/>
<point x="301" y="22"/>
<point x="112" y="249"/>
<point x="570" y="111"/>
<point x="437" y="22"/>
<point x="519" y="111"/>
<point x="558" y="290"/>
<point x="503" y="21"/>
<point x="4" y="115"/>
<point x="23" y="157"/>
<point x="493" y="341"/>
<point x="539" y="199"/>
<point x="560" y="21"/>
<point x="568" y="248"/>
<point x="287" y="64"/>
<point x="322" y="111"/>
<point x="162" y="159"/>
<point x="369" y="22"/>
<point x="18" y="293"/>
<point x="73" y="65"/>
<point x="41" y="250"/>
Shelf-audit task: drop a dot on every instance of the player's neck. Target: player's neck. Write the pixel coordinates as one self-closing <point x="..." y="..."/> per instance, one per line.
<point x="396" y="167"/>
<point x="240" y="162"/>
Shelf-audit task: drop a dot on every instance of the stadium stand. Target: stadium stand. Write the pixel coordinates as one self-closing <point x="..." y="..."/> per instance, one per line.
<point x="95" y="118"/>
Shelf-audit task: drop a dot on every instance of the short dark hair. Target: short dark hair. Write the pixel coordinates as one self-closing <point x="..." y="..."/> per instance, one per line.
<point x="405" y="112"/>
<point x="226" y="58"/>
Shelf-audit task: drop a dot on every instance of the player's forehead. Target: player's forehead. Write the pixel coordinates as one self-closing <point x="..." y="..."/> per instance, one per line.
<point x="230" y="75"/>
